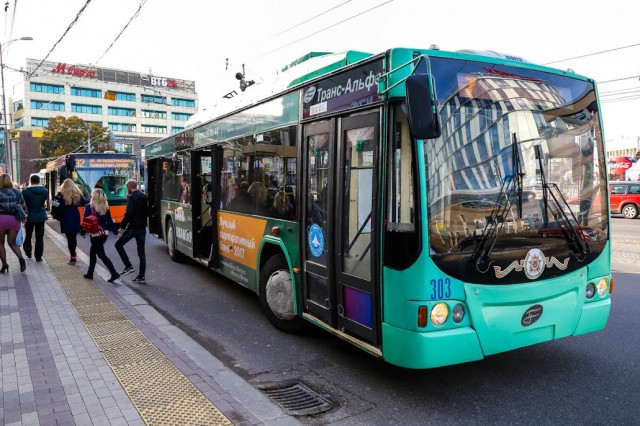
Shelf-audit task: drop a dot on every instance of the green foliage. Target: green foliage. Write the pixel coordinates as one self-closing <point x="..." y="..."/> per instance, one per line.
<point x="66" y="135"/>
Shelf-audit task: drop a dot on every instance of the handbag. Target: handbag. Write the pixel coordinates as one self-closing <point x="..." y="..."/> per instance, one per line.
<point x="20" y="214"/>
<point x="20" y="236"/>
<point x="57" y="207"/>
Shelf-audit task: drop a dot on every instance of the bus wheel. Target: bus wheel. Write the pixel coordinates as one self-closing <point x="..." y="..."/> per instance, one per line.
<point x="276" y="295"/>
<point x="174" y="254"/>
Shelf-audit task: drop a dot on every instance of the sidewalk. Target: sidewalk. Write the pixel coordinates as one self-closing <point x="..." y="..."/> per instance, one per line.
<point x="75" y="351"/>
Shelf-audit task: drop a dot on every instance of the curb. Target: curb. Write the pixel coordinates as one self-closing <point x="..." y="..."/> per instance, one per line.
<point x="259" y="405"/>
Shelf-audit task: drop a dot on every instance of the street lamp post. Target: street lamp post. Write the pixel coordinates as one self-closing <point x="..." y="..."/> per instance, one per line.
<point x="5" y="116"/>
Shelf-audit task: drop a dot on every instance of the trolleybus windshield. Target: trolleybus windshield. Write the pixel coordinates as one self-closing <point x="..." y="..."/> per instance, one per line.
<point x="554" y="121"/>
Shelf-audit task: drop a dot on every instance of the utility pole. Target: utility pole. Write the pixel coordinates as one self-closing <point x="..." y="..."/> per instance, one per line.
<point x="89" y="139"/>
<point x="8" y="157"/>
<point x="5" y="118"/>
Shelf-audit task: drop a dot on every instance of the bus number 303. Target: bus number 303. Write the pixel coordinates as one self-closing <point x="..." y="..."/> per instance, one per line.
<point x="440" y="288"/>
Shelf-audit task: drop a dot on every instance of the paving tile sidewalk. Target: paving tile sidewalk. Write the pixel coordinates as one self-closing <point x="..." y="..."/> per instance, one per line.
<point x="52" y="372"/>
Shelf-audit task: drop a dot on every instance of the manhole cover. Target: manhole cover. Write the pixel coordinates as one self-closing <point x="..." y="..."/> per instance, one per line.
<point x="298" y="399"/>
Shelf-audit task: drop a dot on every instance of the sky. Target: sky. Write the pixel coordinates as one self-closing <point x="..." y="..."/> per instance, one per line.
<point x="193" y="39"/>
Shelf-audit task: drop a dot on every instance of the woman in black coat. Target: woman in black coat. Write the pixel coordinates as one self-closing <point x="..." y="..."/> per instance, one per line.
<point x="70" y="221"/>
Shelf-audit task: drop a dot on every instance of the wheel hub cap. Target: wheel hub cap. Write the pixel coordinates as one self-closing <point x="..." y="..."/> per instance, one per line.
<point x="279" y="295"/>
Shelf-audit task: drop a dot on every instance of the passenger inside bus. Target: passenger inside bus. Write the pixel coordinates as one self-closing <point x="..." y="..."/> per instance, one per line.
<point x="258" y="194"/>
<point x="184" y="195"/>
<point x="281" y="207"/>
<point x="242" y="202"/>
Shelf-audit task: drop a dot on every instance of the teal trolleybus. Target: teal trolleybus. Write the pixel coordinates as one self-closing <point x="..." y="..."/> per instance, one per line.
<point x="429" y="207"/>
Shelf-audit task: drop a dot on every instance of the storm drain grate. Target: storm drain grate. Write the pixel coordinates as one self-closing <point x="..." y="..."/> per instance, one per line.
<point x="298" y="399"/>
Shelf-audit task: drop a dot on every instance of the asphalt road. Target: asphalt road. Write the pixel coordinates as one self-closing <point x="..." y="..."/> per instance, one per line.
<point x="590" y="379"/>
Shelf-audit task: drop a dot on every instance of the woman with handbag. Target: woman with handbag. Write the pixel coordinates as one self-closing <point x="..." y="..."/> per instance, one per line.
<point x="13" y="212"/>
<point x="99" y="207"/>
<point x="70" y="221"/>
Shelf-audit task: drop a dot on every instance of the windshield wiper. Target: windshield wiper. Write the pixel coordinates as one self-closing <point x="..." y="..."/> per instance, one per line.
<point x="511" y="188"/>
<point x="576" y="238"/>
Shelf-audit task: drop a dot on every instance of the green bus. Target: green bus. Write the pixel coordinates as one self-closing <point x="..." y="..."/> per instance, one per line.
<point x="429" y="207"/>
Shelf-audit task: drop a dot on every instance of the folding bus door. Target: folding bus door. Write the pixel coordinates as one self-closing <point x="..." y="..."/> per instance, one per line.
<point x="357" y="235"/>
<point x="154" y="192"/>
<point x="317" y="227"/>
<point x="339" y="216"/>
<point x="201" y="209"/>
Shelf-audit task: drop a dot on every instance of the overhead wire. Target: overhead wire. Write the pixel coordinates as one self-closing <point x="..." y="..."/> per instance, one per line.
<point x="312" y="18"/>
<point x="135" y="15"/>
<point x="619" y="79"/>
<point x="62" y="37"/>
<point x="615" y="95"/>
<point x="593" y="54"/>
<point x="623" y="99"/>
<point x="322" y="30"/>
<point x="93" y="66"/>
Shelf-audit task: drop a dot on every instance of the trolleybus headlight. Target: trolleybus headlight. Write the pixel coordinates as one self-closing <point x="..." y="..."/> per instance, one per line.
<point x="602" y="287"/>
<point x="591" y="290"/>
<point x="439" y="314"/>
<point x="457" y="315"/>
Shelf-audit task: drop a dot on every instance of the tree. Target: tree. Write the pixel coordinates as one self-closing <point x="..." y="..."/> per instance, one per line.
<point x="67" y="135"/>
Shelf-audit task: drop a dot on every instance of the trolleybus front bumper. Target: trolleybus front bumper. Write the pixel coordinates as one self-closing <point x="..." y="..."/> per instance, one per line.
<point x="502" y="318"/>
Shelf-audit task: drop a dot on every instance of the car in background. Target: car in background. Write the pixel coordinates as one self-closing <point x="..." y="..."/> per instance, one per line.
<point x="624" y="198"/>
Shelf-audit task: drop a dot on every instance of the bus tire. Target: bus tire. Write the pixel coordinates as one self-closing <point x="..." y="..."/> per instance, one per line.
<point x="276" y="295"/>
<point x="174" y="254"/>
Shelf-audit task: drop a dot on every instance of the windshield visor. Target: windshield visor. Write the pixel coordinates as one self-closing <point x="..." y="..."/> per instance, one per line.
<point x="521" y="151"/>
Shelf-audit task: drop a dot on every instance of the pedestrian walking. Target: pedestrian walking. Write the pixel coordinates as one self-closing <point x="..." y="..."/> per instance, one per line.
<point x="13" y="212"/>
<point x="99" y="207"/>
<point x="72" y="198"/>
<point x="134" y="225"/>
<point x="35" y="197"/>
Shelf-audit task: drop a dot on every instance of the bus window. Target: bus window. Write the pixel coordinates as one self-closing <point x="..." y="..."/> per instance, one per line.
<point x="256" y="169"/>
<point x="401" y="241"/>
<point x="176" y="179"/>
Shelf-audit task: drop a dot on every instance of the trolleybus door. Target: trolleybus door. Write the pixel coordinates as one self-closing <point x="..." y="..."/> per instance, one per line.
<point x="155" y="169"/>
<point x="356" y="233"/>
<point x="338" y="214"/>
<point x="201" y="209"/>
<point x="319" y="293"/>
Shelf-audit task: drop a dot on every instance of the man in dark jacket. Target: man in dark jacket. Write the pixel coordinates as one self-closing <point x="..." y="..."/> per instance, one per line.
<point x="134" y="224"/>
<point x="35" y="196"/>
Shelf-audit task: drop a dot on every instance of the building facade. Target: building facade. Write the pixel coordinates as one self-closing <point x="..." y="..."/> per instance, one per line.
<point x="136" y="107"/>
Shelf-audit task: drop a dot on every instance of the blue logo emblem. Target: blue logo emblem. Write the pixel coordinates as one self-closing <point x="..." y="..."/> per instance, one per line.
<point x="316" y="240"/>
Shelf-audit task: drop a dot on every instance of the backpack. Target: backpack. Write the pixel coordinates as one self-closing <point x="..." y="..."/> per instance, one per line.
<point x="91" y="224"/>
<point x="57" y="207"/>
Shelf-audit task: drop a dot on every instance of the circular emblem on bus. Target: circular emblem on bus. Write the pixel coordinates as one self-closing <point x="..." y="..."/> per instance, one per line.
<point x="531" y="315"/>
<point x="534" y="263"/>
<point x="309" y="94"/>
<point x="316" y="240"/>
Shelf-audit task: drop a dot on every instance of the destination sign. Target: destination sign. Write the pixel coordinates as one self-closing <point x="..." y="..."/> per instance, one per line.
<point x="104" y="163"/>
<point x="350" y="89"/>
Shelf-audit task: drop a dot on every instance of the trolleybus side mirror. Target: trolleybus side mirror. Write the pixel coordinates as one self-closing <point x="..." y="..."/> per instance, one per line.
<point x="423" y="115"/>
